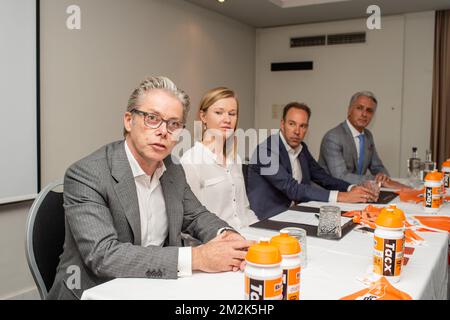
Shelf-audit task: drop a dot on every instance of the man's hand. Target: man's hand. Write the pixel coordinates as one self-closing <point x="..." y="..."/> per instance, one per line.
<point x="223" y="253"/>
<point x="382" y="178"/>
<point x="232" y="235"/>
<point x="357" y="194"/>
<point x="389" y="183"/>
<point x="228" y="235"/>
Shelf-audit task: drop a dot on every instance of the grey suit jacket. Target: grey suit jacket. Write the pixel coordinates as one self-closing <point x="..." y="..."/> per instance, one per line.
<point x="103" y="233"/>
<point x="338" y="155"/>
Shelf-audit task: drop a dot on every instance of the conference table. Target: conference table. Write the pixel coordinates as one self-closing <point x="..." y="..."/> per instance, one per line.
<point x="335" y="268"/>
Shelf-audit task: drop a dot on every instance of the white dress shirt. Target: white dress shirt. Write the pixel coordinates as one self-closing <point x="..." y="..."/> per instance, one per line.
<point x="296" y="167"/>
<point x="355" y="134"/>
<point x="152" y="210"/>
<point x="220" y="189"/>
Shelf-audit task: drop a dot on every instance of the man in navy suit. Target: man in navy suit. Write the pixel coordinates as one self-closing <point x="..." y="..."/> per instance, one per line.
<point x="282" y="170"/>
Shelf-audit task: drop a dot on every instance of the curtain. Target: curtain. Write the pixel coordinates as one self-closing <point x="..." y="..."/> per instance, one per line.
<point x="440" y="123"/>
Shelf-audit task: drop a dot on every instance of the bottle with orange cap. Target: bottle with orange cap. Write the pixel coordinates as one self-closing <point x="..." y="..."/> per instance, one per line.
<point x="398" y="212"/>
<point x="388" y="245"/>
<point x="401" y="216"/>
<point x="432" y="192"/>
<point x="263" y="273"/>
<point x="446" y="171"/>
<point x="290" y="264"/>
<point x="442" y="188"/>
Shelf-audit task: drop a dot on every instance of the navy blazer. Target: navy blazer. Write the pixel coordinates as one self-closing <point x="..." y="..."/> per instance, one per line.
<point x="270" y="194"/>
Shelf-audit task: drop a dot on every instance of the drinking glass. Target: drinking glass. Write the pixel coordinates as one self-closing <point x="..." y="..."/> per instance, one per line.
<point x="373" y="186"/>
<point x="300" y="234"/>
<point x="329" y="222"/>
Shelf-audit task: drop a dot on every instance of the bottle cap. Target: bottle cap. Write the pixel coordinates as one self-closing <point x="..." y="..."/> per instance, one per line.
<point x="433" y="176"/>
<point x="398" y="211"/>
<point x="446" y="163"/>
<point x="285" y="243"/>
<point x="263" y="253"/>
<point x="389" y="219"/>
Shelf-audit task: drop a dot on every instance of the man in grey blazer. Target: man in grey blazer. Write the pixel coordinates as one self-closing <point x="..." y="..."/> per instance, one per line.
<point x="127" y="204"/>
<point x="348" y="151"/>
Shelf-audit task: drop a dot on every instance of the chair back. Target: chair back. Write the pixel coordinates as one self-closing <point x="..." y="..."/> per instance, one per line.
<point x="45" y="236"/>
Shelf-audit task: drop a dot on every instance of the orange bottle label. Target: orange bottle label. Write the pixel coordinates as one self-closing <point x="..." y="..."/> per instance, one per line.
<point x="263" y="289"/>
<point x="388" y="256"/>
<point x="291" y="284"/>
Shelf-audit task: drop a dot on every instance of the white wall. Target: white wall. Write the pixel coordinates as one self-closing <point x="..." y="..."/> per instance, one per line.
<point x="88" y="75"/>
<point x="15" y="279"/>
<point x="417" y="87"/>
<point x="395" y="63"/>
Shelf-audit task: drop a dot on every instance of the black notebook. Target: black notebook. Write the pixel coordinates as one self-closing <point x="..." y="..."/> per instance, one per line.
<point x="385" y="197"/>
<point x="310" y="229"/>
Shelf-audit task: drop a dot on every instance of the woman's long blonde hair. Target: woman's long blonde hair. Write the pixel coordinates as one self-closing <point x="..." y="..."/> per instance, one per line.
<point x="211" y="97"/>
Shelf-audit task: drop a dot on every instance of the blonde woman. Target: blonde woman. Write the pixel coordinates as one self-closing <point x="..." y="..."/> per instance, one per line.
<point x="213" y="168"/>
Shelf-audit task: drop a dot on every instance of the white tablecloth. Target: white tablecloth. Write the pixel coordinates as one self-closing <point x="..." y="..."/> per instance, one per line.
<point x="332" y="271"/>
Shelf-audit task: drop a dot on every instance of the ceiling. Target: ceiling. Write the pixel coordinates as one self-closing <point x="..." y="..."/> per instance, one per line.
<point x="272" y="13"/>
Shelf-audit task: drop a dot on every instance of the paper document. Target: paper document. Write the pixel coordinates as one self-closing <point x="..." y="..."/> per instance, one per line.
<point x="307" y="218"/>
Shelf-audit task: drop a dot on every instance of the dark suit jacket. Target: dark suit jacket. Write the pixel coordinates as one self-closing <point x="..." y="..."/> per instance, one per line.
<point x="103" y="229"/>
<point x="339" y="158"/>
<point x="270" y="194"/>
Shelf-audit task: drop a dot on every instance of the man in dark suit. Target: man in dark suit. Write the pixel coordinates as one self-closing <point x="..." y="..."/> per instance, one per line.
<point x="127" y="204"/>
<point x="348" y="151"/>
<point x="282" y="170"/>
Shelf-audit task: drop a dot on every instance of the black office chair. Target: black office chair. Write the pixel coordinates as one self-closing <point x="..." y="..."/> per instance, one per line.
<point x="45" y="236"/>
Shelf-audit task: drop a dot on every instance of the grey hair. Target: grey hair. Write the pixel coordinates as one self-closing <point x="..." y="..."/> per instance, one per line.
<point x="159" y="82"/>
<point x="367" y="94"/>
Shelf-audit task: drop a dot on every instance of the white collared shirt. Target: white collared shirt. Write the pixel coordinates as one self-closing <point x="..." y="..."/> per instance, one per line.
<point x="152" y="211"/>
<point x="355" y="134"/>
<point x="293" y="157"/>
<point x="220" y="189"/>
<point x="297" y="169"/>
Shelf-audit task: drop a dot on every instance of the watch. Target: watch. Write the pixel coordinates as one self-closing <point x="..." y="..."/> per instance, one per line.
<point x="222" y="230"/>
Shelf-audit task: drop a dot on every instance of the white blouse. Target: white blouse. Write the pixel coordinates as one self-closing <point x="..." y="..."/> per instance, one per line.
<point x="220" y="189"/>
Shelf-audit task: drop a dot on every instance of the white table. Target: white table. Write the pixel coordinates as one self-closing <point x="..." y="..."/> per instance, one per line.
<point x="332" y="270"/>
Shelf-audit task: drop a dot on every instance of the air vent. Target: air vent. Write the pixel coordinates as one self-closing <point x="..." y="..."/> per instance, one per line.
<point x="346" y="38"/>
<point x="291" y="66"/>
<point x="308" y="41"/>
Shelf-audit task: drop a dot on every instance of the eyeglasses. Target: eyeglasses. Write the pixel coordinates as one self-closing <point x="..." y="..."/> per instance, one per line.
<point x="154" y="121"/>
